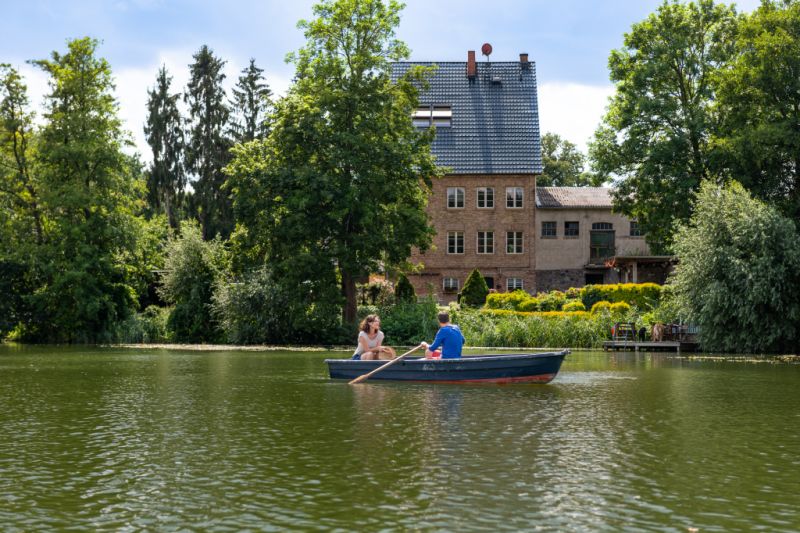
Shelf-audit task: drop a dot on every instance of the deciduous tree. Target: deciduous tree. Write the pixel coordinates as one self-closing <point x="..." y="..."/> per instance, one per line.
<point x="759" y="106"/>
<point x="655" y="135"/>
<point x="19" y="187"/>
<point x="739" y="272"/>
<point x="564" y="164"/>
<point x="342" y="181"/>
<point x="90" y="189"/>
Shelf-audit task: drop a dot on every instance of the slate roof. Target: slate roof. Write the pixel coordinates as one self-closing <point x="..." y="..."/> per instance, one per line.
<point x="573" y="197"/>
<point x="495" y="126"/>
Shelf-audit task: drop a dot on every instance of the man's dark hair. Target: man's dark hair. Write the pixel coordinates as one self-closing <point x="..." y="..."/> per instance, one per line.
<point x="444" y="317"/>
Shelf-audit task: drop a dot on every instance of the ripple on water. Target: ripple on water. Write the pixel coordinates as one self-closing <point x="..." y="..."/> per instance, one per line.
<point x="231" y="441"/>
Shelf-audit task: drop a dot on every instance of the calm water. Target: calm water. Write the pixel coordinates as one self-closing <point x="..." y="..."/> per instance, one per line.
<point x="147" y="439"/>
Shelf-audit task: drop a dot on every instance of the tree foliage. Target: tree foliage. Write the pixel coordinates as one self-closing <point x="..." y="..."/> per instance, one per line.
<point x="739" y="272"/>
<point x="164" y="132"/>
<point x="655" y="135"/>
<point x="475" y="290"/>
<point x="191" y="270"/>
<point x="341" y="183"/>
<point x="20" y="198"/>
<point x="90" y="190"/>
<point x="250" y="105"/>
<point x="759" y="106"/>
<point x="208" y="146"/>
<point x="564" y="164"/>
<point x="260" y="308"/>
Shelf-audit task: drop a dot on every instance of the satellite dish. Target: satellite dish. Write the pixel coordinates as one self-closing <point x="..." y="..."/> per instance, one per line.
<point x="486" y="49"/>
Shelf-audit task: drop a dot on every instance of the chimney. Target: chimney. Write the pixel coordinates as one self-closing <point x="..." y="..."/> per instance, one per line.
<point x="472" y="67"/>
<point x="523" y="60"/>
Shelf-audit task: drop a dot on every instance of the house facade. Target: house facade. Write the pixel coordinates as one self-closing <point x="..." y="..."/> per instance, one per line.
<point x="487" y="137"/>
<point x="580" y="241"/>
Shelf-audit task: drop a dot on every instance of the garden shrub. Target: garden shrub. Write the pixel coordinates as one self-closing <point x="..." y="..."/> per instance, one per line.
<point x="404" y="290"/>
<point x="528" y="305"/>
<point x="506" y="300"/>
<point x="601" y="306"/>
<point x="551" y="301"/>
<point x="619" y="308"/>
<point x="575" y="305"/>
<point x="572" y="293"/>
<point x="641" y="295"/>
<point x="475" y="290"/>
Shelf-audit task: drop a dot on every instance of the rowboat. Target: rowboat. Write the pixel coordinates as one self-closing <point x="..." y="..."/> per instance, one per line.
<point x="488" y="368"/>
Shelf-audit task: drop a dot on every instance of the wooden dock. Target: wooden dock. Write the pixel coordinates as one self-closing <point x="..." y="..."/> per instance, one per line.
<point x="622" y="345"/>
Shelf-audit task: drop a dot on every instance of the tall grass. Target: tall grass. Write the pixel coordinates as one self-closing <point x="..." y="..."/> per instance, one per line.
<point x="556" y="330"/>
<point x="146" y="327"/>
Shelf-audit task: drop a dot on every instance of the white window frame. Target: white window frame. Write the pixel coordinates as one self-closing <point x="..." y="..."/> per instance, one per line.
<point x="639" y="232"/>
<point x="455" y="235"/>
<point x="488" y="194"/>
<point x="511" y="240"/>
<point x="516" y="286"/>
<point x="450" y="287"/>
<point x="456" y="191"/>
<point x="515" y="195"/>
<point x="442" y="115"/>
<point x="427" y="115"/>
<point x="421" y="117"/>
<point x="488" y="242"/>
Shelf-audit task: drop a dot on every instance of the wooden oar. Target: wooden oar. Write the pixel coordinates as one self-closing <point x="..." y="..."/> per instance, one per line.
<point x="366" y="376"/>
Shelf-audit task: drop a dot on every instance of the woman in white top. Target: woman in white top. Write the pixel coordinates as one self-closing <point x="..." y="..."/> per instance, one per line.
<point x="369" y="338"/>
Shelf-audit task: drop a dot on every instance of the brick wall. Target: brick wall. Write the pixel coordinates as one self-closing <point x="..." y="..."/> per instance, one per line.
<point x="470" y="219"/>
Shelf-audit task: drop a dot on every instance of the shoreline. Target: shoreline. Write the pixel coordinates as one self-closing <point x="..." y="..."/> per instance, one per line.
<point x="194" y="347"/>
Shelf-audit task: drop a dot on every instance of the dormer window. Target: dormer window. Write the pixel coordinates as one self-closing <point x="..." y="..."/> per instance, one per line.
<point x="429" y="115"/>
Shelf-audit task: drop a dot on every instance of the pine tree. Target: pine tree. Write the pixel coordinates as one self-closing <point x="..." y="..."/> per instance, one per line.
<point x="207" y="148"/>
<point x="475" y="290"/>
<point x="404" y="290"/>
<point x="250" y="105"/>
<point x="166" y="179"/>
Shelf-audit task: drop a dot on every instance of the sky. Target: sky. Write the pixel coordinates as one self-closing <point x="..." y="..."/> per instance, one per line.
<point x="569" y="40"/>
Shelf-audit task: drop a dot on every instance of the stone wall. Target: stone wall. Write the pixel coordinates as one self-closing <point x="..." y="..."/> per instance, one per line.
<point x="551" y="280"/>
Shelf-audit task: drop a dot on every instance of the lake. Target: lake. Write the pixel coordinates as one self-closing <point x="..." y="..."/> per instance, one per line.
<point x="132" y="439"/>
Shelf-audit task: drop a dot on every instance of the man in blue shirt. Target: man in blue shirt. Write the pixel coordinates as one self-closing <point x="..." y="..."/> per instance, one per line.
<point x="449" y="337"/>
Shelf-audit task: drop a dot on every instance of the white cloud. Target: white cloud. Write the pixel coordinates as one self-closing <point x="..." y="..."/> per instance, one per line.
<point x="572" y="110"/>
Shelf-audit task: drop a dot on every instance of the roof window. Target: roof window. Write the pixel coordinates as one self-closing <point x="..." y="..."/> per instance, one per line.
<point x="429" y="115"/>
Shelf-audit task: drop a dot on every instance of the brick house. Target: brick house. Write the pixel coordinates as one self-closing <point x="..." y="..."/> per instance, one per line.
<point x="580" y="241"/>
<point x="487" y="136"/>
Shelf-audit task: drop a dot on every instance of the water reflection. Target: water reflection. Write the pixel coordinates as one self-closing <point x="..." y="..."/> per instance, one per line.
<point x="152" y="440"/>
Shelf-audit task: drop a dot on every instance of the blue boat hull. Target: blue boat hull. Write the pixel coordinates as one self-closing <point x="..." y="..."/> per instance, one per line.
<point x="510" y="368"/>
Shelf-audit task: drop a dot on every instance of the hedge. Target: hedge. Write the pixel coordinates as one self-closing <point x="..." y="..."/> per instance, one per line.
<point x="641" y="295"/>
